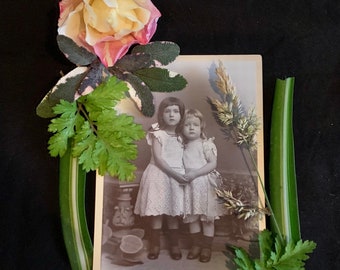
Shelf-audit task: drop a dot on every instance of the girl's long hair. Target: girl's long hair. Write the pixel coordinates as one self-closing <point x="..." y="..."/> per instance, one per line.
<point x="166" y="102"/>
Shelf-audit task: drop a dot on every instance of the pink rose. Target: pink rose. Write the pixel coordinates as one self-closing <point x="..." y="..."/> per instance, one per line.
<point x="108" y="28"/>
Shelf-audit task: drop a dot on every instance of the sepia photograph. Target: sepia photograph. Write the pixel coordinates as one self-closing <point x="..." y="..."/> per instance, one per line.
<point x="198" y="187"/>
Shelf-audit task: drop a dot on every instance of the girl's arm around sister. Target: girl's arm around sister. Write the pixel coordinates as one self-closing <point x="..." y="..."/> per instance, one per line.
<point x="207" y="168"/>
<point x="163" y="165"/>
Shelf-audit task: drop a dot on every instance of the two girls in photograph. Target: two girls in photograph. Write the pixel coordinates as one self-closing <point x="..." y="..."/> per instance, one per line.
<point x="179" y="182"/>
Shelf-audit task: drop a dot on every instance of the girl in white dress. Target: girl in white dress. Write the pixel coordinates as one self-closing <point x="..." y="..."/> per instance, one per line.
<point x="161" y="190"/>
<point x="200" y="160"/>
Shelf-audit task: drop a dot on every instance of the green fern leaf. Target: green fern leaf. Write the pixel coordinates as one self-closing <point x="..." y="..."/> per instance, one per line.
<point x="84" y="144"/>
<point x="266" y="245"/>
<point x="63" y="127"/>
<point x="295" y="255"/>
<point x="242" y="260"/>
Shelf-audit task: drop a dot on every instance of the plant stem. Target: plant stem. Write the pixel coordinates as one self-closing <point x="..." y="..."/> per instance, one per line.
<point x="272" y="214"/>
<point x="267" y="201"/>
<point x="77" y="239"/>
<point x="85" y="114"/>
<point x="282" y="178"/>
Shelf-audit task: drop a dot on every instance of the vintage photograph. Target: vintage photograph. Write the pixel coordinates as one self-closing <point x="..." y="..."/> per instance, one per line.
<point x="197" y="188"/>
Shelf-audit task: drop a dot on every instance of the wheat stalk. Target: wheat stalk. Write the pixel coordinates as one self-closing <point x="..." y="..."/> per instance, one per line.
<point x="242" y="128"/>
<point x="241" y="209"/>
<point x="228" y="110"/>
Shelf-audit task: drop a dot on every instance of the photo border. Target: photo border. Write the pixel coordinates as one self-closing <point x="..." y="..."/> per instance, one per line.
<point x="195" y="60"/>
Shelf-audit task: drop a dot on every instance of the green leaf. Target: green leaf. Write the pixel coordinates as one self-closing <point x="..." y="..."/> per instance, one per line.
<point x="111" y="147"/>
<point x="161" y="80"/>
<point x="106" y="140"/>
<point x="266" y="245"/>
<point x="295" y="255"/>
<point x="63" y="127"/>
<point x="102" y="138"/>
<point x="64" y="89"/>
<point x="84" y="144"/>
<point x="96" y="75"/>
<point x="242" y="260"/>
<point x="106" y="95"/>
<point x="119" y="167"/>
<point x="283" y="257"/>
<point x="282" y="177"/>
<point x="132" y="62"/>
<point x="120" y="126"/>
<point x="77" y="55"/>
<point x="72" y="184"/>
<point x="144" y="97"/>
<point x="277" y="253"/>
<point x="163" y="52"/>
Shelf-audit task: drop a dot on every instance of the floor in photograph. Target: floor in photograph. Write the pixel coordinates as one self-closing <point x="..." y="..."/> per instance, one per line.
<point x="113" y="260"/>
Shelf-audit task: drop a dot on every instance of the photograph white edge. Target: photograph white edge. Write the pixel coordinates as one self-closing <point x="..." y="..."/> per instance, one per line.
<point x="99" y="185"/>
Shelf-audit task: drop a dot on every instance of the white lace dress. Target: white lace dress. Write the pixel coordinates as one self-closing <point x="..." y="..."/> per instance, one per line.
<point x="158" y="193"/>
<point x="200" y="196"/>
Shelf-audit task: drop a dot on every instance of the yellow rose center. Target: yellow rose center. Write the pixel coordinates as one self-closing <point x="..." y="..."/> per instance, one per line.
<point x="116" y="18"/>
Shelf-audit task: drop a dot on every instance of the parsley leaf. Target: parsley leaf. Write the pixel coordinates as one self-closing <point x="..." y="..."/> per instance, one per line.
<point x="243" y="260"/>
<point x="266" y="243"/>
<point x="102" y="138"/>
<point x="63" y="127"/>
<point x="84" y="144"/>
<point x="274" y="255"/>
<point x="294" y="255"/>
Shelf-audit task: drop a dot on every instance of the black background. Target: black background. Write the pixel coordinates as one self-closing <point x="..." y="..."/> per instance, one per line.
<point x="296" y="38"/>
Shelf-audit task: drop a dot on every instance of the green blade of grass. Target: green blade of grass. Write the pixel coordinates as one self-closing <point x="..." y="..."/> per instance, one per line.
<point x="77" y="239"/>
<point x="282" y="177"/>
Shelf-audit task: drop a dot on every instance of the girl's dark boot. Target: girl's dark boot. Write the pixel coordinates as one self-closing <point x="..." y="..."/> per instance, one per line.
<point x="154" y="244"/>
<point x="206" y="249"/>
<point x="175" y="252"/>
<point x="195" y="251"/>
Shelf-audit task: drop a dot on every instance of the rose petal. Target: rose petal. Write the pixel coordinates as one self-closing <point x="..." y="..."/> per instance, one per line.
<point x="149" y="30"/>
<point x="65" y="7"/>
<point x="73" y="24"/>
<point x="110" y="51"/>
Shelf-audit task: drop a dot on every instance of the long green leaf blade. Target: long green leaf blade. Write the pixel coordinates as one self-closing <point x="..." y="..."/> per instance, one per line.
<point x="282" y="177"/>
<point x="73" y="218"/>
